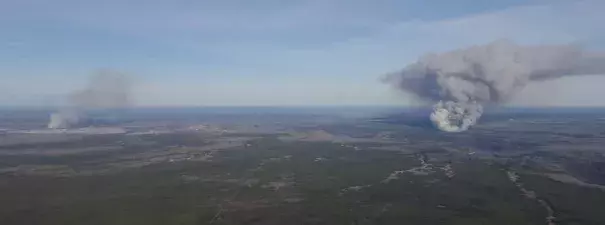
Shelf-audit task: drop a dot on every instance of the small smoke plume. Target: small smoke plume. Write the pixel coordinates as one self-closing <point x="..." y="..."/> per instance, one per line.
<point x="64" y="119"/>
<point x="460" y="82"/>
<point x="105" y="90"/>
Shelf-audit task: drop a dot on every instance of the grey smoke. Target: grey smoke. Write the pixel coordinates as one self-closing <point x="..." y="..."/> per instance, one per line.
<point x="64" y="119"/>
<point x="462" y="81"/>
<point x="106" y="89"/>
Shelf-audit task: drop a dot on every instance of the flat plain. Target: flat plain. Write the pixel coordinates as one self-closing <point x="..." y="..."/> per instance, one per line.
<point x="283" y="167"/>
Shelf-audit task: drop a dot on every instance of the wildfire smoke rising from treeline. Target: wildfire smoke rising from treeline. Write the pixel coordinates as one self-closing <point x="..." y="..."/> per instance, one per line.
<point x="106" y="89"/>
<point x="462" y="81"/>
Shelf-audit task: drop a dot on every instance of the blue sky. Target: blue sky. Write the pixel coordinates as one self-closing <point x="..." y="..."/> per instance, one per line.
<point x="271" y="52"/>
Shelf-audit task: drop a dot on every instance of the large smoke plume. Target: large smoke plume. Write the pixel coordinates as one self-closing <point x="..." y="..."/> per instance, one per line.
<point x="105" y="90"/>
<point x="462" y="81"/>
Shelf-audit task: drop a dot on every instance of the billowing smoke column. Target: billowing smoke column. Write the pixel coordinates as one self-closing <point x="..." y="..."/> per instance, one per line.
<point x="460" y="82"/>
<point x="106" y="90"/>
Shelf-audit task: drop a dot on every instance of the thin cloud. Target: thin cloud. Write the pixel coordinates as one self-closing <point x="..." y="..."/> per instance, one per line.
<point x="291" y="44"/>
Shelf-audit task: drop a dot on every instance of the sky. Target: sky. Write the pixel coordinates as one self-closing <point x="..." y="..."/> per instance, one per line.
<point x="273" y="52"/>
